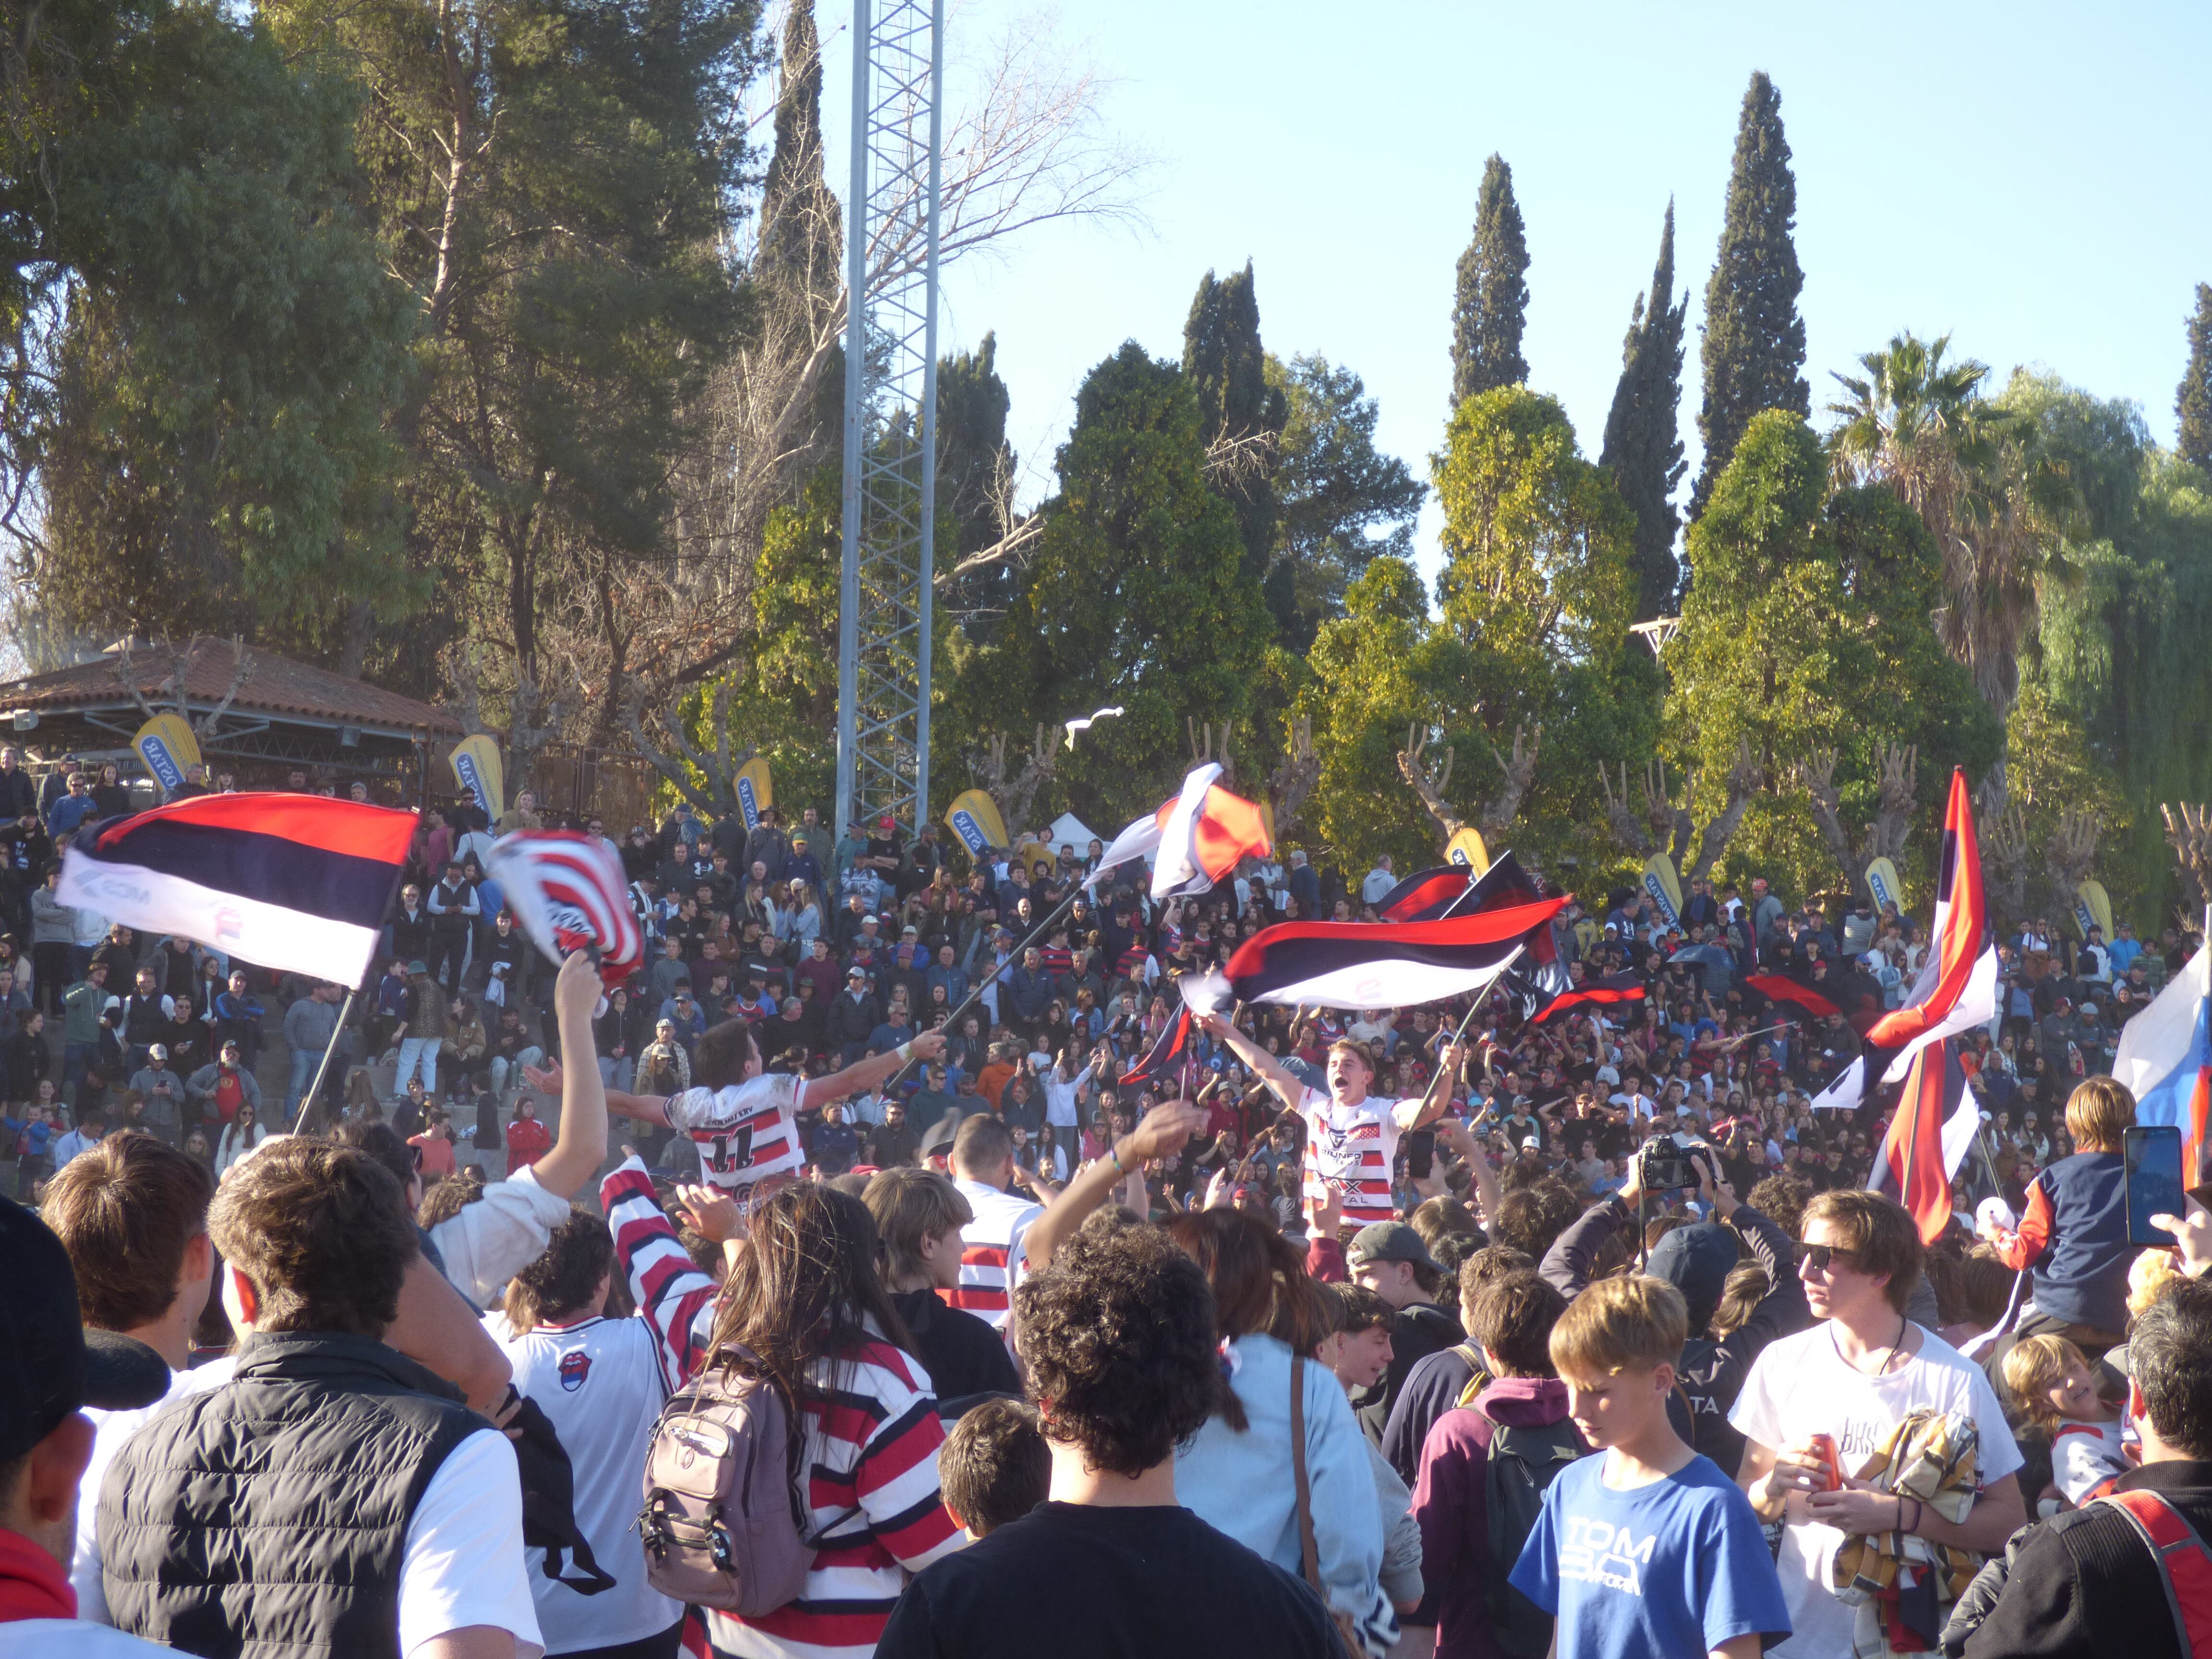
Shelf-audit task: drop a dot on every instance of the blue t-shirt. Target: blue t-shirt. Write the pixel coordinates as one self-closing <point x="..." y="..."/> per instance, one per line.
<point x="1676" y="1567"/>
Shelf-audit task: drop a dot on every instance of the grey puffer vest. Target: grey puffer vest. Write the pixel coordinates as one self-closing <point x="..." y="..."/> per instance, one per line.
<point x="269" y="1517"/>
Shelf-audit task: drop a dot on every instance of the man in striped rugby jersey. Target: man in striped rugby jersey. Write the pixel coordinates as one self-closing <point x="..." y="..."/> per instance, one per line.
<point x="1351" y="1137"/>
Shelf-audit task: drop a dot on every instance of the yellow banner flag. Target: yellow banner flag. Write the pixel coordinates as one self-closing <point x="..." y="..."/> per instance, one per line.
<point x="477" y="769"/>
<point x="1465" y="849"/>
<point x="1882" y="882"/>
<point x="1665" y="889"/>
<point x="2092" y="907"/>
<point x="169" y="747"/>
<point x="756" y="789"/>
<point x="974" y="816"/>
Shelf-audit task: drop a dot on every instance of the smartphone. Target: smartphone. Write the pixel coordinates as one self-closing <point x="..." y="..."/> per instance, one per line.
<point x="1421" y="1153"/>
<point x="2153" y="1164"/>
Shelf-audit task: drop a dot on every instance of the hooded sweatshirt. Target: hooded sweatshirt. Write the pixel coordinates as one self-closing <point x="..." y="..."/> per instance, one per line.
<point x="1448" y="1503"/>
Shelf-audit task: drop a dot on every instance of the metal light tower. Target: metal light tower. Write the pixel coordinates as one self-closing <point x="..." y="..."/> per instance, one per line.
<point x="890" y="413"/>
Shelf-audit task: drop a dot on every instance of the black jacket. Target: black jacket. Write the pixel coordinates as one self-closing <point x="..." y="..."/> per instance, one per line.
<point x="272" y="1513"/>
<point x="1711" y="1374"/>
<point x="2083" y="1584"/>
<point x="962" y="1355"/>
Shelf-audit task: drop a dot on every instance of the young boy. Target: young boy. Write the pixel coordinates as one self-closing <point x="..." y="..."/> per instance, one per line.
<point x="1359" y="1352"/>
<point x="2051" y="1379"/>
<point x="1649" y="1549"/>
<point x="994" y="1468"/>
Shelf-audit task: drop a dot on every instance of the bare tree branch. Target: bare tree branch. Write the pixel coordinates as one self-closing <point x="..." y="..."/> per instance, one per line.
<point x="1515" y="776"/>
<point x="1429" y="783"/>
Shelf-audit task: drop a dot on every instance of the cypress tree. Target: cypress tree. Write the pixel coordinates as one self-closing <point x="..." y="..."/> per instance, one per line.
<point x="1227" y="368"/>
<point x="1643" y="438"/>
<point x="1492" y="306"/>
<point x="802" y="227"/>
<point x="1754" y="350"/>
<point x="2194" y="402"/>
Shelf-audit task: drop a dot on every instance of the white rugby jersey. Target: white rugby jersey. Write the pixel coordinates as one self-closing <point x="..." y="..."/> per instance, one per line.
<point x="1352" y="1149"/>
<point x="991" y="1259"/>
<point x="599" y="1382"/>
<point x="745" y="1131"/>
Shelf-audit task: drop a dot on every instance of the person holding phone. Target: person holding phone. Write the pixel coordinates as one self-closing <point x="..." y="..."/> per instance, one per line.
<point x="2073" y="1232"/>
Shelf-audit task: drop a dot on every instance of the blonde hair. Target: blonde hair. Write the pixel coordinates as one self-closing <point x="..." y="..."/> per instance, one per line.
<point x="2098" y="1112"/>
<point x="911" y="1205"/>
<point x="1358" y="1050"/>
<point x="2032" y="1366"/>
<point x="1635" y="1323"/>
<point x="2149" y="1276"/>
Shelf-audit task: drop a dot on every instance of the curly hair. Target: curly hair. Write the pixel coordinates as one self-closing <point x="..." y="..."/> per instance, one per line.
<point x="563" y="1282"/>
<point x="1530" y="1219"/>
<point x="1118" y="1337"/>
<point x="1782" y="1199"/>
<point x="449" y="1195"/>
<point x="321" y="1232"/>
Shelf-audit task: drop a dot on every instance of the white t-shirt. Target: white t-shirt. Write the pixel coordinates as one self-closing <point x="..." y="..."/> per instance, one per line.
<point x="2085" y="1458"/>
<point x="1353" y="1148"/>
<point x="1800" y="1386"/>
<point x="462" y="1562"/>
<point x="746" y="1131"/>
<point x="599" y="1382"/>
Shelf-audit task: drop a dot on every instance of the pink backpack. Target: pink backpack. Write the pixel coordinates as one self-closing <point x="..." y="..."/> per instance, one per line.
<point x="721" y="1523"/>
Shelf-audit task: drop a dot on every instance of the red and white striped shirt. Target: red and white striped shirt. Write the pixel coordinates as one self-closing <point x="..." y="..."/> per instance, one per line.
<point x="745" y="1131"/>
<point x="1353" y="1149"/>
<point x="871" y="1452"/>
<point x="992" y="1261"/>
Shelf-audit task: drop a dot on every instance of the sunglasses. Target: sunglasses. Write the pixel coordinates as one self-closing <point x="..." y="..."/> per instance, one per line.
<point x="1818" y="1256"/>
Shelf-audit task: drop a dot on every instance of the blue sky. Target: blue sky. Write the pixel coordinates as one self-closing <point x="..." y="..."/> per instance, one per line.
<point x="2031" y="178"/>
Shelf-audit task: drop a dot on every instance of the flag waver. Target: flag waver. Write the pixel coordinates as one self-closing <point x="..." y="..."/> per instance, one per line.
<point x="297" y="883"/>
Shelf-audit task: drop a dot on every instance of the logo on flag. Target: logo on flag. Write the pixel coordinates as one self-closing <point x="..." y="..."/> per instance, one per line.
<point x="568" y="891"/>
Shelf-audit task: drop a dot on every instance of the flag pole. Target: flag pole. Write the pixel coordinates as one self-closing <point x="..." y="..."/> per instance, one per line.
<point x="309" y="1103"/>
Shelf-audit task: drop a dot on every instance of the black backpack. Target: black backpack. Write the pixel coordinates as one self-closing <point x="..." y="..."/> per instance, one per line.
<point x="1523" y="1462"/>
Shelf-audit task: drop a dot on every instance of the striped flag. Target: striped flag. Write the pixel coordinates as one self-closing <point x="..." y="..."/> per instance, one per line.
<point x="1163" y="1062"/>
<point x="1198" y="837"/>
<point x="1426" y="897"/>
<point x="1780" y="987"/>
<point x="2165" y="1058"/>
<point x="1605" y="992"/>
<point x="569" y="893"/>
<point x="296" y="883"/>
<point x="1928" y="1138"/>
<point x="1350" y="964"/>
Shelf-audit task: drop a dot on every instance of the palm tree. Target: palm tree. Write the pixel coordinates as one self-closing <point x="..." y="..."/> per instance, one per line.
<point x="1974" y="473"/>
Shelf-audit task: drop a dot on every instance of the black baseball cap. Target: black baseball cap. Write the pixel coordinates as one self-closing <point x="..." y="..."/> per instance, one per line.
<point x="50" y="1365"/>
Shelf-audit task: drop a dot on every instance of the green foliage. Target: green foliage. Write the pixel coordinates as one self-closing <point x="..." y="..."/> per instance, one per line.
<point x="975" y="470"/>
<point x="1642" y="432"/>
<point x="2193" y="402"/>
<point x="1806" y="627"/>
<point x="1137" y="596"/>
<point x="1532" y="629"/>
<point x="1755" y="348"/>
<point x="210" y="451"/>
<point x="1490" y="307"/>
<point x="2118" y="671"/>
<point x="1339" y="502"/>
<point x="1226" y="367"/>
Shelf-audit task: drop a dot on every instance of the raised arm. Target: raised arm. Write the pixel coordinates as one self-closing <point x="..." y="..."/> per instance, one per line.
<point x="1287" y="1087"/>
<point x="1162" y="1134"/>
<point x="582" y="1145"/>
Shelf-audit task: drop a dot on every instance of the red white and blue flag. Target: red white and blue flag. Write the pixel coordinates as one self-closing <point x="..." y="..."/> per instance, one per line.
<point x="2165" y="1058"/>
<point x="1350" y="964"/>
<point x="1163" y="1061"/>
<point x="569" y="893"/>
<point x="1930" y="1136"/>
<point x="296" y="883"/>
<point x="1193" y="841"/>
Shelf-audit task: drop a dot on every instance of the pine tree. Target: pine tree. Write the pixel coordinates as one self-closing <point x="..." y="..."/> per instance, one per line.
<point x="1754" y="350"/>
<point x="802" y="227"/>
<point x="1492" y="306"/>
<point x="1643" y="437"/>
<point x="2194" y="402"/>
<point x="975" y="465"/>
<point x="1227" y="368"/>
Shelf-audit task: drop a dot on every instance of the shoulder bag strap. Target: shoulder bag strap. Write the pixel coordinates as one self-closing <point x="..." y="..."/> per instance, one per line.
<point x="1308" y="1552"/>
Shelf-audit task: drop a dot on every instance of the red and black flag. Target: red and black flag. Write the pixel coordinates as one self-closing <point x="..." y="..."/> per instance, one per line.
<point x="1928" y="1138"/>
<point x="1163" y="1062"/>
<point x="1780" y="987"/>
<point x="297" y="883"/>
<point x="1427" y="897"/>
<point x="1606" y="992"/>
<point x="1335" y="965"/>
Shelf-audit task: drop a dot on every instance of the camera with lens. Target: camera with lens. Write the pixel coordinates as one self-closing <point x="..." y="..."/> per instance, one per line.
<point x="1668" y="1162"/>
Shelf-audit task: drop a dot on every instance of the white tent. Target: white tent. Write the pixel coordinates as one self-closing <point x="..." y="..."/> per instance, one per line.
<point x="1069" y="830"/>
